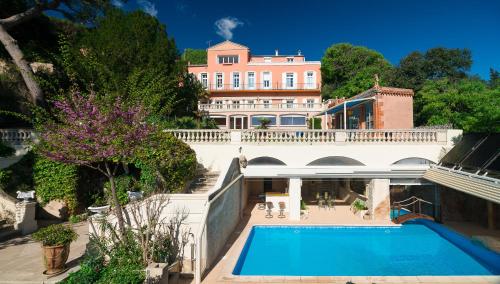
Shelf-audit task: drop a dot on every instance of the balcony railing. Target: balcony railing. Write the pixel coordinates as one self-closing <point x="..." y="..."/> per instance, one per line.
<point x="309" y="136"/>
<point x="261" y="107"/>
<point x="17" y="136"/>
<point x="271" y="86"/>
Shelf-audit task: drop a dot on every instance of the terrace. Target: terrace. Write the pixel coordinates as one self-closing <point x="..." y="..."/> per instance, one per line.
<point x="264" y="87"/>
<point x="215" y="108"/>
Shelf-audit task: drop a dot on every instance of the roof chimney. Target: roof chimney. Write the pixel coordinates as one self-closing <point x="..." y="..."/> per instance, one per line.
<point x="276" y="52"/>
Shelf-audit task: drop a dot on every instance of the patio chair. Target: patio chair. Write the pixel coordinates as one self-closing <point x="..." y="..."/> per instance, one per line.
<point x="269" y="210"/>
<point x="261" y="205"/>
<point x="282" y="210"/>
<point x="331" y="202"/>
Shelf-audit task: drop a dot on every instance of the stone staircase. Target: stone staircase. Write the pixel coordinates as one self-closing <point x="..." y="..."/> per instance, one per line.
<point x="202" y="182"/>
<point x="7" y="231"/>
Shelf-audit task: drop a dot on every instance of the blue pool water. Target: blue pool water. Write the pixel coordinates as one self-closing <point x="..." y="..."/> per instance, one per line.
<point x="413" y="249"/>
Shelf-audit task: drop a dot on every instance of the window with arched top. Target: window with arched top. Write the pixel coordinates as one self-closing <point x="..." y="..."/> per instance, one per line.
<point x="335" y="161"/>
<point x="265" y="161"/>
<point x="413" y="161"/>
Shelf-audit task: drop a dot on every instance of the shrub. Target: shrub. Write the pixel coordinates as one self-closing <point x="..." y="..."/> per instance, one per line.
<point x="359" y="205"/>
<point x="166" y="163"/>
<point x="5" y="150"/>
<point x="56" y="181"/>
<point x="18" y="176"/>
<point x="55" y="235"/>
<point x="123" y="184"/>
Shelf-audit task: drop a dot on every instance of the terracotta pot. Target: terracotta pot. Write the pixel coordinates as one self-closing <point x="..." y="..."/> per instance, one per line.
<point x="54" y="258"/>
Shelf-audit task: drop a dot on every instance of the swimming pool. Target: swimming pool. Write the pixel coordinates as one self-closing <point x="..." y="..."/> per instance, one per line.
<point x="413" y="249"/>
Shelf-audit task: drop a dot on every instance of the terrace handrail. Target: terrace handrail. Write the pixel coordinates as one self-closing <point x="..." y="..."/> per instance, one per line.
<point x="270" y="86"/>
<point x="285" y="135"/>
<point x="262" y="106"/>
<point x="17" y="136"/>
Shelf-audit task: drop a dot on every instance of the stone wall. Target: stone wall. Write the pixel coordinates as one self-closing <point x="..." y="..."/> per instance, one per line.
<point x="224" y="214"/>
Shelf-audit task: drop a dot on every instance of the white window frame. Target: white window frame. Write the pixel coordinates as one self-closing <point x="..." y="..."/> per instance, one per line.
<point x="293" y="83"/>
<point x="235" y="104"/>
<point x="309" y="103"/>
<point x="266" y="103"/>
<point x="267" y="59"/>
<point x="238" y="85"/>
<point x="204" y="81"/>
<point x="224" y="57"/>
<point x="289" y="103"/>
<point x="218" y="104"/>
<point x="251" y="87"/>
<point x="216" y="77"/>
<point x="289" y="59"/>
<point x="270" y="80"/>
<point x="307" y="84"/>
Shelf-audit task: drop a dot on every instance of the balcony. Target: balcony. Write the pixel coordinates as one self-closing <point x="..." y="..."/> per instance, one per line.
<point x="309" y="136"/>
<point x="220" y="108"/>
<point x="263" y="87"/>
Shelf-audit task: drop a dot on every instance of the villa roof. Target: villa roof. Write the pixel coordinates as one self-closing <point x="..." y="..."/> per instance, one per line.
<point x="237" y="45"/>
<point x="383" y="90"/>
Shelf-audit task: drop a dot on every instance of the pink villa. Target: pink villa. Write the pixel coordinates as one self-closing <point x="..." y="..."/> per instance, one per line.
<point x="286" y="89"/>
<point x="244" y="88"/>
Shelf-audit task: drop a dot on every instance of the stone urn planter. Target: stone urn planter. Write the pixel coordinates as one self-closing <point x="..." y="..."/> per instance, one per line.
<point x="99" y="210"/>
<point x="55" y="240"/>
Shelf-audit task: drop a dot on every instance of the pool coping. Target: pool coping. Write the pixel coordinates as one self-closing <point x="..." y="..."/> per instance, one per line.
<point x="228" y="276"/>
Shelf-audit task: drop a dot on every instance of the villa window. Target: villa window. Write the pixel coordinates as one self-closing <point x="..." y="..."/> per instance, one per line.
<point x="267" y="103"/>
<point x="228" y="59"/>
<point x="256" y="119"/>
<point x="218" y="81"/>
<point x="289" y="80"/>
<point x="293" y="120"/>
<point x="266" y="80"/>
<point x="251" y="80"/>
<point x="236" y="104"/>
<point x="267" y="59"/>
<point x="310" y="103"/>
<point x="310" y="80"/>
<point x="289" y="59"/>
<point x="236" y="80"/>
<point x="250" y="104"/>
<point x="204" y="80"/>
<point x="369" y="116"/>
<point x="218" y="104"/>
<point x="289" y="103"/>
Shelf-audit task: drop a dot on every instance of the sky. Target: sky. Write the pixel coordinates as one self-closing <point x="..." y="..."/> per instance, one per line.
<point x="392" y="27"/>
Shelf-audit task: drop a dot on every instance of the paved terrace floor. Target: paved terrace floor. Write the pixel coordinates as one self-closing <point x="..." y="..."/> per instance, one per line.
<point x="21" y="258"/>
<point x="221" y="272"/>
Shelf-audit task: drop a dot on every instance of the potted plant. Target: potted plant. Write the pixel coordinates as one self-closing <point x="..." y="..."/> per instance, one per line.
<point x="360" y="208"/>
<point x="55" y="240"/>
<point x="99" y="206"/>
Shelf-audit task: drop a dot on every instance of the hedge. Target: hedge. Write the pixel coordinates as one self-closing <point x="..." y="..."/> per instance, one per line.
<point x="56" y="181"/>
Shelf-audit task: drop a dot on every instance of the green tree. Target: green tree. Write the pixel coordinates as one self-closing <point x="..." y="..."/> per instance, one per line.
<point x="494" y="78"/>
<point x="130" y="55"/>
<point x="14" y="13"/>
<point x="467" y="104"/>
<point x="195" y="56"/>
<point x="436" y="63"/>
<point x="347" y="70"/>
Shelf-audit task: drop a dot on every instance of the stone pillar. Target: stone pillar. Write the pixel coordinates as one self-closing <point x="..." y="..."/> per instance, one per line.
<point x="25" y="217"/>
<point x="491" y="215"/>
<point x="294" y="193"/>
<point x="437" y="203"/>
<point x="379" y="203"/>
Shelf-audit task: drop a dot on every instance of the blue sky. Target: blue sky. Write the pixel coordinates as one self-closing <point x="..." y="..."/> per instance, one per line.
<point x="392" y="27"/>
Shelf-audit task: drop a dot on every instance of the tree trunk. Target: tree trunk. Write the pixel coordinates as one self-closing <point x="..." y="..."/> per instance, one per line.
<point x="118" y="207"/>
<point x="17" y="55"/>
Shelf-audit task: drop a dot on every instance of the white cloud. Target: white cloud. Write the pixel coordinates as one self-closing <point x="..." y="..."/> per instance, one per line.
<point x="148" y="7"/>
<point x="225" y="26"/>
<point x="117" y="3"/>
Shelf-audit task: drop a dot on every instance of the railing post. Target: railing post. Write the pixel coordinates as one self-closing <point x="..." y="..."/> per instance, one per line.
<point x="235" y="137"/>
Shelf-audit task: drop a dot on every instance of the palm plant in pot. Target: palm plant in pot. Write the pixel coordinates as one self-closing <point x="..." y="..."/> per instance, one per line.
<point x="55" y="240"/>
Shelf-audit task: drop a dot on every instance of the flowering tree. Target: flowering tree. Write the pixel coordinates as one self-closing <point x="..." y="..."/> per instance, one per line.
<point x="95" y="135"/>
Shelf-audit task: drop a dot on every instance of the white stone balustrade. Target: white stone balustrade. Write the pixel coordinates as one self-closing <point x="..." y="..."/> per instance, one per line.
<point x="16" y="136"/>
<point x="313" y="136"/>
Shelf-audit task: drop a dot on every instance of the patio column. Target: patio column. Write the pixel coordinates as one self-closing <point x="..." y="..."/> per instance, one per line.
<point x="379" y="203"/>
<point x="294" y="193"/>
